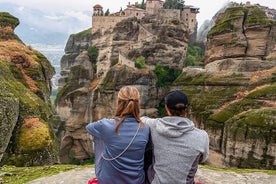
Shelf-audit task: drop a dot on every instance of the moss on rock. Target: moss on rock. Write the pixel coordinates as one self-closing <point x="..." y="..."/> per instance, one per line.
<point x="264" y="93"/>
<point x="225" y="23"/>
<point x="28" y="82"/>
<point x="34" y="136"/>
<point x="7" y="19"/>
<point x="257" y="16"/>
<point x="253" y="15"/>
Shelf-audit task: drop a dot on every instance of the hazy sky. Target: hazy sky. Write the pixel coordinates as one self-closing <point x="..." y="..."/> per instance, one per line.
<point x="207" y="7"/>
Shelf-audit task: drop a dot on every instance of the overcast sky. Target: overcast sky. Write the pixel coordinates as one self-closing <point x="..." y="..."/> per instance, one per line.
<point x="207" y="7"/>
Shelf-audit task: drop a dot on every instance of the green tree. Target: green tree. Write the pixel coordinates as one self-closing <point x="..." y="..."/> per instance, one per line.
<point x="142" y="5"/>
<point x="93" y="53"/>
<point x="140" y="62"/>
<point x="165" y="75"/>
<point x="194" y="56"/>
<point x="107" y="12"/>
<point x="173" y="4"/>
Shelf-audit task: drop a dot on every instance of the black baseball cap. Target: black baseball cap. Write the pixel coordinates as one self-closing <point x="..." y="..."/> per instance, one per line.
<point x="176" y="97"/>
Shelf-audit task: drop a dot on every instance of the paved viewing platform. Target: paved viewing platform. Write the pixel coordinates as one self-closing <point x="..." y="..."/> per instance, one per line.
<point x="205" y="176"/>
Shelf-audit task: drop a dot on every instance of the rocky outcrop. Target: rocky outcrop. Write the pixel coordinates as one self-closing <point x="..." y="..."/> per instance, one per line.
<point x="25" y="80"/>
<point x="233" y="97"/>
<point x="72" y="105"/>
<point x="73" y="98"/>
<point x="241" y="32"/>
<point x="236" y="109"/>
<point x="152" y="37"/>
<point x="74" y="46"/>
<point x="85" y="96"/>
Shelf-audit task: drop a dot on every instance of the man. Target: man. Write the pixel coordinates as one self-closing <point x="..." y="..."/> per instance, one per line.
<point x="178" y="146"/>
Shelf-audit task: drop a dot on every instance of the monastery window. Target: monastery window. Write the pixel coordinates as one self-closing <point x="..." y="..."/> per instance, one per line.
<point x="186" y="20"/>
<point x="137" y="14"/>
<point x="192" y="20"/>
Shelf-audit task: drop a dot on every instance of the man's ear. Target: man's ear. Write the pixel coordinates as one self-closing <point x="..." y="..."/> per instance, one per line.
<point x="167" y="110"/>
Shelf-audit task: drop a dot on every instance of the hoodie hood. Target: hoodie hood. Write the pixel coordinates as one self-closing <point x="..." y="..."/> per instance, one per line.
<point x="173" y="126"/>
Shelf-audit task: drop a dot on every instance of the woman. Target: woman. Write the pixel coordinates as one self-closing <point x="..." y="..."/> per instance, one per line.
<point x="120" y="142"/>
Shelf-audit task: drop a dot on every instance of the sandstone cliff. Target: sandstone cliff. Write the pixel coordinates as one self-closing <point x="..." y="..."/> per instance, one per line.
<point x="25" y="137"/>
<point x="242" y="32"/>
<point x="73" y="98"/>
<point x="233" y="98"/>
<point x="162" y="41"/>
<point x="86" y="96"/>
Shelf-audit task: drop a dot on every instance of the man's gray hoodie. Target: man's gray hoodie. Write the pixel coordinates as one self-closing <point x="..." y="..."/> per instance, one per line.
<point x="178" y="148"/>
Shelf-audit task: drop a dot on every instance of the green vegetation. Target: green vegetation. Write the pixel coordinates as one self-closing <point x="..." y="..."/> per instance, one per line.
<point x="29" y="102"/>
<point x="28" y="136"/>
<point x="165" y="75"/>
<point x="140" y="62"/>
<point x="232" y="110"/>
<point x="253" y="16"/>
<point x="84" y="33"/>
<point x="185" y="79"/>
<point x="142" y="5"/>
<point x="19" y="175"/>
<point x="107" y="12"/>
<point x="267" y="92"/>
<point x="204" y="100"/>
<point x="227" y="22"/>
<point x="194" y="56"/>
<point x="30" y="105"/>
<point x="204" y="78"/>
<point x="173" y="4"/>
<point x="254" y="125"/>
<point x="93" y="53"/>
<point x="257" y="16"/>
<point x="262" y="118"/>
<point x="7" y="19"/>
<point x="67" y="88"/>
<point x="244" y="105"/>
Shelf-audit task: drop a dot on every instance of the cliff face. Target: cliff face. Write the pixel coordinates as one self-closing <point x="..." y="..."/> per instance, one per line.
<point x="86" y="96"/>
<point x="73" y="98"/>
<point x="241" y="32"/>
<point x="160" y="41"/>
<point x="233" y="98"/>
<point x="25" y="137"/>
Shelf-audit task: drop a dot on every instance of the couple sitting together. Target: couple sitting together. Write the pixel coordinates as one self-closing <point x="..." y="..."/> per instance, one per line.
<point x="121" y="144"/>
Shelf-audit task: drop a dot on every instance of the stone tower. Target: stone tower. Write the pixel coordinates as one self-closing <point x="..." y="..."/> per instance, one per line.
<point x="98" y="10"/>
<point x="152" y="6"/>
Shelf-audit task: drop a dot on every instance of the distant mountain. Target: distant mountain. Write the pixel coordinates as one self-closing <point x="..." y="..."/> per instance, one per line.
<point x="38" y="27"/>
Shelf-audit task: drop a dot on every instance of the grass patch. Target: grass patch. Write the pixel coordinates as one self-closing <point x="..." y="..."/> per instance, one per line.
<point x="19" y="175"/>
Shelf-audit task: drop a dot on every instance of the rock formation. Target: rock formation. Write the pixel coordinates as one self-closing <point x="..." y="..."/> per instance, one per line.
<point x="85" y="96"/>
<point x="233" y="97"/>
<point x="241" y="32"/>
<point x="26" y="112"/>
<point x="73" y="98"/>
